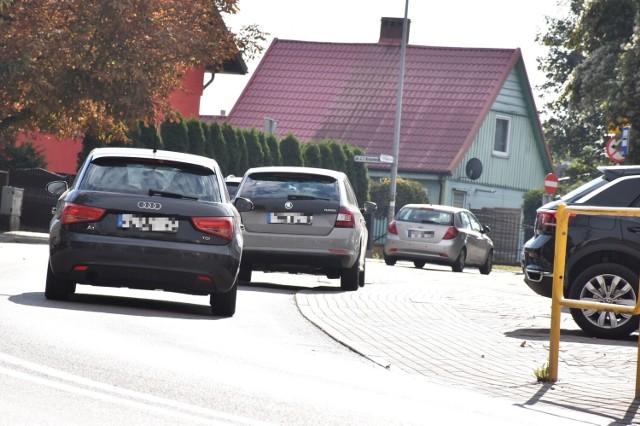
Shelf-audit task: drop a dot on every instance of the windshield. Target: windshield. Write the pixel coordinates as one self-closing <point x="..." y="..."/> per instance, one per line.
<point x="135" y="176"/>
<point x="266" y="185"/>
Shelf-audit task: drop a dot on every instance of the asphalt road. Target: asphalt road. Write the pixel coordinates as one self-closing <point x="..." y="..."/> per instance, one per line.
<point x="118" y="356"/>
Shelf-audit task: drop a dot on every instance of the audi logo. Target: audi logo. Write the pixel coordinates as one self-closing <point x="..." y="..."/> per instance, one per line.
<point x="288" y="205"/>
<point x="149" y="205"/>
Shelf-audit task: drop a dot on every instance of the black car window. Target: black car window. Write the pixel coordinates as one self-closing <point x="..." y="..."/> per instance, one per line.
<point x="623" y="192"/>
<point x="466" y="223"/>
<point x="138" y="176"/>
<point x="283" y="185"/>
<point x="475" y="224"/>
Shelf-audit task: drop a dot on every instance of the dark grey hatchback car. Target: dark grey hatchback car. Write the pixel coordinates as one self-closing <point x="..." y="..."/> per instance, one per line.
<point x="146" y="219"/>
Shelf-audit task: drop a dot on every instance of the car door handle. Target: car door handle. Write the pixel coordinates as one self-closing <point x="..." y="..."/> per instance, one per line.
<point x="634" y="229"/>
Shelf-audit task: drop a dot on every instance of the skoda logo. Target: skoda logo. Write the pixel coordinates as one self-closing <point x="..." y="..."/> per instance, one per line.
<point x="288" y="205"/>
<point x="149" y="205"/>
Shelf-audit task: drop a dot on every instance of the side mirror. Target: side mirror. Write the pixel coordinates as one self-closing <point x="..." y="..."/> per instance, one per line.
<point x="486" y="229"/>
<point x="369" y="207"/>
<point x="243" y="204"/>
<point x="56" y="187"/>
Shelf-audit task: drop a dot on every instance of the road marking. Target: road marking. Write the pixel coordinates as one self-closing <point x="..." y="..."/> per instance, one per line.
<point x="81" y="386"/>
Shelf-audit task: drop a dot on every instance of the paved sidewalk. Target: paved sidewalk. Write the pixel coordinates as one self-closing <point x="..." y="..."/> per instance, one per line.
<point x="486" y="336"/>
<point x="24" y="237"/>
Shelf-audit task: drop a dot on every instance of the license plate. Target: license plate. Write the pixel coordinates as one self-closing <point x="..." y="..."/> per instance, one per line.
<point x="419" y="233"/>
<point x="147" y="223"/>
<point x="290" y="218"/>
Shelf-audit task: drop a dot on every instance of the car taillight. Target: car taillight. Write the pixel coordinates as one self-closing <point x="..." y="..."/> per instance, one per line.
<point x="77" y="213"/>
<point x="392" y="228"/>
<point x="546" y="221"/>
<point x="451" y="233"/>
<point x="219" y="226"/>
<point x="345" y="218"/>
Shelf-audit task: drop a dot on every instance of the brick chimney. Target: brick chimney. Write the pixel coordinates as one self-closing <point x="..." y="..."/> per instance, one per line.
<point x="391" y="31"/>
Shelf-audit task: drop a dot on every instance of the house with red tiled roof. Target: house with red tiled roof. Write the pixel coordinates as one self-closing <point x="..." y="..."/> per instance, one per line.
<point x="470" y="131"/>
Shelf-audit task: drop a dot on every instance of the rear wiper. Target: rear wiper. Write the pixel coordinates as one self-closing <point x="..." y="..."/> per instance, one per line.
<point x="305" y="197"/>
<point x="171" y="194"/>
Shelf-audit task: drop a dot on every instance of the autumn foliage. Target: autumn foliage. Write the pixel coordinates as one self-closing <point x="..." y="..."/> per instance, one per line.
<point x="102" y="66"/>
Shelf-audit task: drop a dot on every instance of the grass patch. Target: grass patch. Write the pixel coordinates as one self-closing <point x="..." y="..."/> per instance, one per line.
<point x="542" y="373"/>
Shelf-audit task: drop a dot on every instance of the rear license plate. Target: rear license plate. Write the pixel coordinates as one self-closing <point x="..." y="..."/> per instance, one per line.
<point x="419" y="233"/>
<point x="290" y="218"/>
<point x="147" y="223"/>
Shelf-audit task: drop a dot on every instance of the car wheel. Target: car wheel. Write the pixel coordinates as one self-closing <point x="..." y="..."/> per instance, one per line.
<point x="350" y="277"/>
<point x="57" y="288"/>
<point x="244" y="275"/>
<point x="419" y="263"/>
<point x="485" y="269"/>
<point x="389" y="261"/>
<point x="361" y="276"/>
<point x="224" y="304"/>
<point x="606" y="283"/>
<point x="458" y="265"/>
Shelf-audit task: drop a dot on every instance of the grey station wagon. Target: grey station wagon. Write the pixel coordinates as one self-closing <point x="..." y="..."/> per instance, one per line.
<point x="305" y="220"/>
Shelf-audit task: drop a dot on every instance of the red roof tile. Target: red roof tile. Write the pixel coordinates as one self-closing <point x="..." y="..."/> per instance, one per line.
<point x="347" y="92"/>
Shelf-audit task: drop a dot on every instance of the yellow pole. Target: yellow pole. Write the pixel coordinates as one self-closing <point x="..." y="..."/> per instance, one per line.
<point x="557" y="290"/>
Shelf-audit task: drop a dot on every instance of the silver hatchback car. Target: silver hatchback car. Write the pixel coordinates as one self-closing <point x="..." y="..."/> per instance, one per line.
<point x="305" y="220"/>
<point x="425" y="233"/>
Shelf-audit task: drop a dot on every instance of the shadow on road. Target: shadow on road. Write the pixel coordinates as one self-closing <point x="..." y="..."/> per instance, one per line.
<point x="576" y="336"/>
<point x="136" y="306"/>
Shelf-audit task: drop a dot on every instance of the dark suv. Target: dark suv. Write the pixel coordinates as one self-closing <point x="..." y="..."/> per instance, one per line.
<point x="603" y="252"/>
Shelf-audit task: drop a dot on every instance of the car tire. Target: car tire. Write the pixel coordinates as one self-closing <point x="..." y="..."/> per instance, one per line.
<point x="389" y="261"/>
<point x="458" y="265"/>
<point x="349" y="279"/>
<point x="485" y="269"/>
<point x="419" y="263"/>
<point x="244" y="275"/>
<point x="57" y="288"/>
<point x="224" y="304"/>
<point x="594" y="284"/>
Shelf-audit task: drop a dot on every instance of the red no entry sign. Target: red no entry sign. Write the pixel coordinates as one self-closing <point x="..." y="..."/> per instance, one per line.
<point x="551" y="183"/>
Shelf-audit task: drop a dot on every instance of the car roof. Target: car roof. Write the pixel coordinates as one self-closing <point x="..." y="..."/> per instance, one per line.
<point x="449" y="209"/>
<point x="294" y="169"/>
<point x="613" y="172"/>
<point x="149" y="153"/>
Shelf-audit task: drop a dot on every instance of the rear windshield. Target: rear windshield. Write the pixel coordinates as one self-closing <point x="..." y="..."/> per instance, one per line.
<point x="285" y="185"/>
<point x="425" y="215"/>
<point x="139" y="176"/>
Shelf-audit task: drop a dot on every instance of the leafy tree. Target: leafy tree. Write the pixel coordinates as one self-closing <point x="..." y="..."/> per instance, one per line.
<point x="20" y="156"/>
<point x="148" y="137"/>
<point x="593" y="70"/>
<point x="338" y="155"/>
<point x="233" y="149"/>
<point x="196" y="136"/>
<point x="100" y="66"/>
<point x="274" y="149"/>
<point x="290" y="151"/>
<point x="326" y="156"/>
<point x="255" y="155"/>
<point x="218" y="146"/>
<point x="243" y="155"/>
<point x="262" y="139"/>
<point x="531" y="201"/>
<point x="407" y="192"/>
<point x="175" y="134"/>
<point x="360" y="179"/>
<point x="311" y="155"/>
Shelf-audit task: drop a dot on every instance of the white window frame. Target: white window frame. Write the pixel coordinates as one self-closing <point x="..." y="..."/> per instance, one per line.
<point x="504" y="153"/>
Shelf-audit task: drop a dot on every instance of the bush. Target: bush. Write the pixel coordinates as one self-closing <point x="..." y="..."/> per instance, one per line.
<point x="407" y="192"/>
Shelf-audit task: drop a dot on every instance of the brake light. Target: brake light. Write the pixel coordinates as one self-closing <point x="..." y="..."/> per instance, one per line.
<point x="345" y="218"/>
<point x="218" y="226"/>
<point x="451" y="233"/>
<point x="77" y="213"/>
<point x="546" y="220"/>
<point x="392" y="228"/>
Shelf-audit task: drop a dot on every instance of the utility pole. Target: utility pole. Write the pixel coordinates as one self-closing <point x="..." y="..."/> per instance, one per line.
<point x="396" y="129"/>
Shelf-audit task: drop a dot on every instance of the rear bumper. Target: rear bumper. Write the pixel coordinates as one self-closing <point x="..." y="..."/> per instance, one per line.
<point x="145" y="264"/>
<point x="539" y="281"/>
